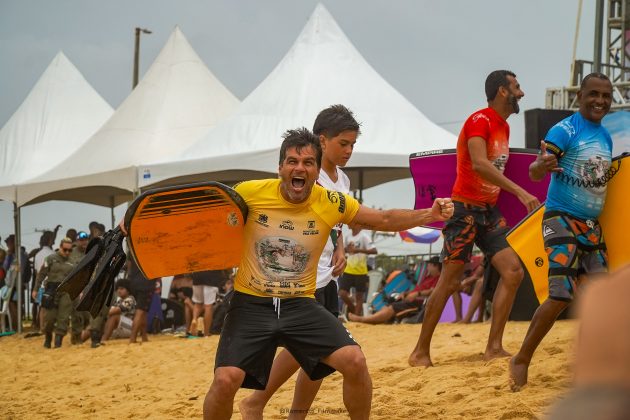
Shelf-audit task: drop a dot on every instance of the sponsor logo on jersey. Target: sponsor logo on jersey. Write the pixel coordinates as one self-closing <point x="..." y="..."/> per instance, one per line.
<point x="310" y="228"/>
<point x="566" y="126"/>
<point x="287" y="224"/>
<point x="335" y="197"/>
<point x="263" y="219"/>
<point x="479" y="115"/>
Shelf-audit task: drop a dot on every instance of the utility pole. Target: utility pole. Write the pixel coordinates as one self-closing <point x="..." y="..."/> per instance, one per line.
<point x="136" y="55"/>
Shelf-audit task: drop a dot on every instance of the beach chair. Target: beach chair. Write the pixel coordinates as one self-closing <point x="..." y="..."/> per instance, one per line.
<point x="376" y="278"/>
<point x="397" y="282"/>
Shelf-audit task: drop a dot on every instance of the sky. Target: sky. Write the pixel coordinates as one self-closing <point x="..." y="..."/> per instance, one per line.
<point x="435" y="53"/>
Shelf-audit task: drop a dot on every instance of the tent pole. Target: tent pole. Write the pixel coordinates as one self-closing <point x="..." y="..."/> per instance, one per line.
<point x="361" y="186"/>
<point x="111" y="206"/>
<point x="18" y="258"/>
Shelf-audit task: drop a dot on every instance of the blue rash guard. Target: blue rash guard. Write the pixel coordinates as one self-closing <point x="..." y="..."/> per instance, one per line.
<point x="584" y="151"/>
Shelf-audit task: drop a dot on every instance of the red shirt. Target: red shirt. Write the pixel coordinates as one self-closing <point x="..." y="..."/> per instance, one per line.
<point x="469" y="186"/>
<point x="427" y="283"/>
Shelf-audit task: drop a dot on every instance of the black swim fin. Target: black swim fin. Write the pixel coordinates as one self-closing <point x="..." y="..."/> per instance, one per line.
<point x="99" y="290"/>
<point x="79" y="277"/>
<point x="105" y="287"/>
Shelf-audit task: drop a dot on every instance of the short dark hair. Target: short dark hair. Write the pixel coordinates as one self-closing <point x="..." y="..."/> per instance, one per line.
<point x="334" y="120"/>
<point x="495" y="80"/>
<point x="124" y="283"/>
<point x="47" y="238"/>
<point x="299" y="138"/>
<point x="595" y="75"/>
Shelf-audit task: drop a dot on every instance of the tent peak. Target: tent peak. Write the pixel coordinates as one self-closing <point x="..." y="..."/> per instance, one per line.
<point x="321" y="21"/>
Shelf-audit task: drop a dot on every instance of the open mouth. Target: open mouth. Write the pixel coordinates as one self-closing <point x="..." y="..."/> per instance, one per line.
<point x="298" y="182"/>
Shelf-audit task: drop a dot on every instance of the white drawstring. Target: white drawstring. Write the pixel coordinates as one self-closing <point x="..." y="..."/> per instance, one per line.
<point x="276" y="305"/>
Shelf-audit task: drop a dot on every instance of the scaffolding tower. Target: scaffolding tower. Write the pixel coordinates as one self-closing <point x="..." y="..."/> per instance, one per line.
<point x="616" y="64"/>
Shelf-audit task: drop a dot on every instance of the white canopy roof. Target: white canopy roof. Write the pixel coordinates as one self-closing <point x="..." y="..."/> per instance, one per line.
<point x="321" y="69"/>
<point x="59" y="114"/>
<point x="176" y="102"/>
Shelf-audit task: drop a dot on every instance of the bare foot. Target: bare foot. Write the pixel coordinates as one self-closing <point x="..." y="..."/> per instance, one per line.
<point x="419" y="360"/>
<point x="495" y="354"/>
<point x="354" y="318"/>
<point x="249" y="410"/>
<point x="518" y="375"/>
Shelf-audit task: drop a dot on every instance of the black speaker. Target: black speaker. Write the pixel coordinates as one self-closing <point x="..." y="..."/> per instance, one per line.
<point x="538" y="121"/>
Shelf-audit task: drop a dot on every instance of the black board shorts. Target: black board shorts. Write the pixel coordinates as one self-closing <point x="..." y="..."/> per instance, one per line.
<point x="254" y="328"/>
<point x="360" y="282"/>
<point x="328" y="297"/>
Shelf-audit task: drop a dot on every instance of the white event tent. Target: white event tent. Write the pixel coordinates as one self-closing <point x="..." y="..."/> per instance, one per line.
<point x="56" y="118"/>
<point x="322" y="68"/>
<point x="59" y="114"/>
<point x="176" y="102"/>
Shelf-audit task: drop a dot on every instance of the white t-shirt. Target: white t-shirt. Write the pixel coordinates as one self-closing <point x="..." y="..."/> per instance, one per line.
<point x="41" y="256"/>
<point x="324" y="266"/>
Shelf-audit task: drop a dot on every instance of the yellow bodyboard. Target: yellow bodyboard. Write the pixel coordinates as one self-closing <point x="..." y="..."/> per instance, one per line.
<point x="615" y="218"/>
<point x="527" y="241"/>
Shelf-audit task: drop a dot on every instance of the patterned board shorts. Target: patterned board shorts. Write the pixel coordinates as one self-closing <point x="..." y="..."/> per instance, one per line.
<point x="574" y="246"/>
<point x="470" y="225"/>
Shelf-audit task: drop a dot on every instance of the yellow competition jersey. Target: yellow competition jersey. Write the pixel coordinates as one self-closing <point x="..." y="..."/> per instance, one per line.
<point x="283" y="241"/>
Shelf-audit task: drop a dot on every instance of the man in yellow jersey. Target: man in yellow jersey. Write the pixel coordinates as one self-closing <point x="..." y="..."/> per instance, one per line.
<point x="288" y="224"/>
<point x="337" y="130"/>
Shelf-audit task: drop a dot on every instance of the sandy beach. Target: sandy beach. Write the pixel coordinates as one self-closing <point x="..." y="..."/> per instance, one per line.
<point x="167" y="378"/>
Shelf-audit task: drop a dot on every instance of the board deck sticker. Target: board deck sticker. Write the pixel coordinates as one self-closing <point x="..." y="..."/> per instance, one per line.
<point x="434" y="174"/>
<point x="186" y="228"/>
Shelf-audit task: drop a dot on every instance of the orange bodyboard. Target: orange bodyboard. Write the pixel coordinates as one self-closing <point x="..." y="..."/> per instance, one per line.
<point x="185" y="229"/>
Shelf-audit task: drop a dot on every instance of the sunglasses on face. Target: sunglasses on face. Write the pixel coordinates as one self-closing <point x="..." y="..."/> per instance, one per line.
<point x="66" y="249"/>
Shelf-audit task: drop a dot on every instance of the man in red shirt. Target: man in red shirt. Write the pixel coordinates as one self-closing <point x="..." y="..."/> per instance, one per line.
<point x="410" y="300"/>
<point x="482" y="152"/>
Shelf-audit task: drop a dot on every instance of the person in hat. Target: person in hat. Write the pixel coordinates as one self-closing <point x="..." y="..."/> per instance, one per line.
<point x="58" y="305"/>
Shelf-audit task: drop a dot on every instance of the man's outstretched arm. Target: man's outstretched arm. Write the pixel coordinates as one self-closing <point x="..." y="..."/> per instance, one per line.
<point x="395" y="220"/>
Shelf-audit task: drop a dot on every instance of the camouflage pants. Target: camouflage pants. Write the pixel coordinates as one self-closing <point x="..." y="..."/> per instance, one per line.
<point x="59" y="316"/>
